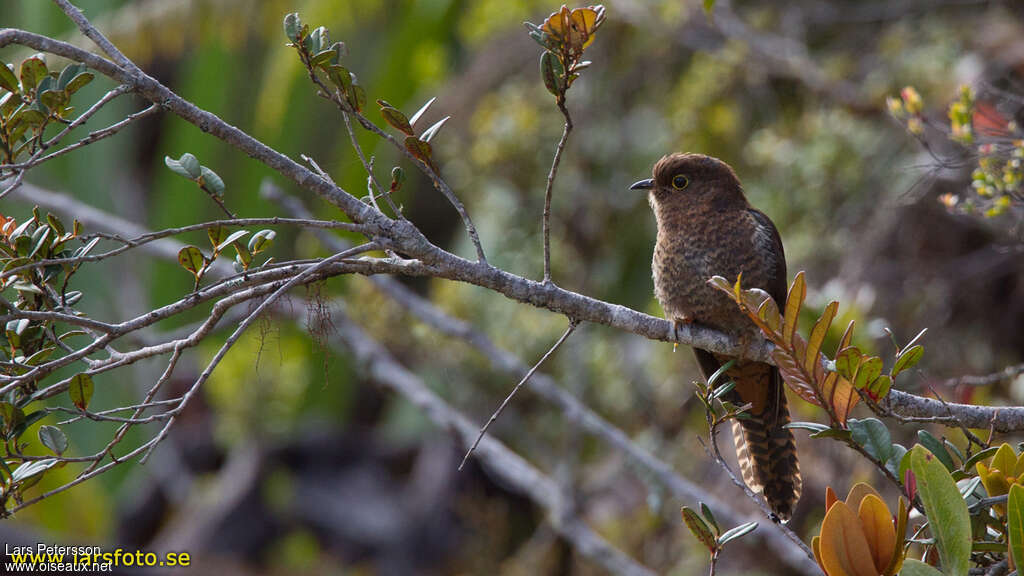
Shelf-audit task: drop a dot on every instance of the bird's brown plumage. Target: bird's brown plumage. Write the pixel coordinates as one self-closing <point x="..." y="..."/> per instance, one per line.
<point x="706" y="227"/>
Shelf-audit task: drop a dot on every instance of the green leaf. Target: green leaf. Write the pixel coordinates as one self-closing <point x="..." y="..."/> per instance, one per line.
<point x="1015" y="523"/>
<point x="191" y="259"/>
<point x="723" y="389"/>
<point x="237" y="235"/>
<point x="211" y="182"/>
<point x="292" y="26"/>
<point x="879" y="388"/>
<point x="907" y="359"/>
<point x="40" y="238"/>
<point x="913" y="567"/>
<point x="737" y="532"/>
<point x="419" y="113"/>
<point x="55" y="223"/>
<point x="323" y="57"/>
<point x="30" y="419"/>
<point x="699" y="528"/>
<point x="397" y="178"/>
<point x="847" y="361"/>
<point x="29" y="469"/>
<point x="217" y="234"/>
<point x="420" y="150"/>
<point x="9" y="101"/>
<point x="340" y="77"/>
<point x="552" y="72"/>
<point x="41" y="355"/>
<point x="358" y="97"/>
<point x="935" y="446"/>
<point x="395" y="118"/>
<point x="53" y="99"/>
<point x="837" y="433"/>
<point x="54" y="439"/>
<point x="704" y="510"/>
<point x="8" y="81"/>
<point x="318" y="41"/>
<point x="33" y="70"/>
<point x="429" y="133"/>
<point x="69" y="72"/>
<point x="80" y="389"/>
<point x="869" y="370"/>
<point x="340" y="51"/>
<point x="709" y="5"/>
<point x="872" y="434"/>
<point x="812" y="426"/>
<point x="28" y="117"/>
<point x="261" y="240"/>
<point x="914" y="340"/>
<point x="896" y="459"/>
<point x="948" y="518"/>
<point x="978" y="457"/>
<point x="77" y="82"/>
<point x="713" y="380"/>
<point x="186" y="166"/>
<point x="12" y="417"/>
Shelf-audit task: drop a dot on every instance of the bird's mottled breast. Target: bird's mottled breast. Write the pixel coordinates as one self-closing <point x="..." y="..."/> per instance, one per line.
<point x="694" y="247"/>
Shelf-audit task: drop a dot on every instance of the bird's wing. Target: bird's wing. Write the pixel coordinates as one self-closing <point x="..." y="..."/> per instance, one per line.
<point x="777" y="286"/>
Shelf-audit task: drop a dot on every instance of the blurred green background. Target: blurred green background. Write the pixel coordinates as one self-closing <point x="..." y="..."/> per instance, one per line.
<point x="790" y="94"/>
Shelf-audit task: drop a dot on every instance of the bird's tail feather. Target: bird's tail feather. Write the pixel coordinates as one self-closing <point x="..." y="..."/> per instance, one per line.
<point x="765" y="450"/>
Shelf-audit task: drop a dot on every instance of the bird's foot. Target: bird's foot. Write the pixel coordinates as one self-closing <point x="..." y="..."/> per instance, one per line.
<point x="676" y="324"/>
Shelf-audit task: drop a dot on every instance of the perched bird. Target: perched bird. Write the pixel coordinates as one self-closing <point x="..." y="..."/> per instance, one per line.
<point x="706" y="227"/>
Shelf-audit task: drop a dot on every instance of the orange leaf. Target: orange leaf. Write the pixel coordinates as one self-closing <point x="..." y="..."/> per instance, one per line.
<point x="859" y="491"/>
<point x="876" y="521"/>
<point x="794" y="376"/>
<point x="840" y="395"/>
<point x="830" y="497"/>
<point x="794" y="300"/>
<point x="844" y="548"/>
<point x="847" y="336"/>
<point x="816" y="547"/>
<point x="769" y="312"/>
<point x="818" y="333"/>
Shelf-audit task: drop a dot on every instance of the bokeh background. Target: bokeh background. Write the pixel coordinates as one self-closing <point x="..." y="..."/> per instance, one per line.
<point x="295" y="462"/>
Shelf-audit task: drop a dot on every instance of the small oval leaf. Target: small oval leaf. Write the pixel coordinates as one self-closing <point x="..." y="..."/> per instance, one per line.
<point x="54" y="439"/>
<point x="191" y="259"/>
<point x="80" y="389"/>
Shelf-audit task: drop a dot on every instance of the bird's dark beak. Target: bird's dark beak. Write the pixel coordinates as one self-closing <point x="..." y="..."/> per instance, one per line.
<point x="643" y="184"/>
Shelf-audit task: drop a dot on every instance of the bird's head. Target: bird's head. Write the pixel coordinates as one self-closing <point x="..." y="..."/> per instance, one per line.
<point x="691" y="180"/>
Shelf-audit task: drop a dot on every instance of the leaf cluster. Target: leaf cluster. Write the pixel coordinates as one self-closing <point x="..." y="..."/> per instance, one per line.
<point x="564" y="35"/>
<point x="34" y="99"/>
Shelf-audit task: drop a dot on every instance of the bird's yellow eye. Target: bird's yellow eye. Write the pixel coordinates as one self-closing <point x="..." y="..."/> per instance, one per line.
<point x="679" y="182"/>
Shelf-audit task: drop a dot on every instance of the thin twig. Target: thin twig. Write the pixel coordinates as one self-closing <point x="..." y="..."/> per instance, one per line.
<point x="550" y="184"/>
<point x="368" y="166"/>
<point x="119" y="435"/>
<point x="569" y="330"/>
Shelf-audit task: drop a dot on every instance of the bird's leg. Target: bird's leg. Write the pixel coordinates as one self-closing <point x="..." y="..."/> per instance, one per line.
<point x="676" y="324"/>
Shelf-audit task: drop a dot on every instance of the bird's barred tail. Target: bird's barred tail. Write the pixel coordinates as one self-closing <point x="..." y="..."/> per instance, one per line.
<point x="766" y="451"/>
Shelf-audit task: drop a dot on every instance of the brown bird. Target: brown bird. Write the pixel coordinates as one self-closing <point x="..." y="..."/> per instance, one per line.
<point x="706" y="227"/>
